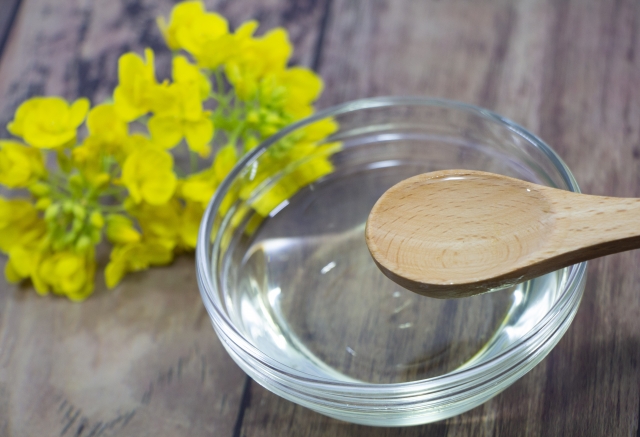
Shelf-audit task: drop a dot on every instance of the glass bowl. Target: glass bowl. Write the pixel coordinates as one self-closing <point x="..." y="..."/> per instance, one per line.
<point x="299" y="304"/>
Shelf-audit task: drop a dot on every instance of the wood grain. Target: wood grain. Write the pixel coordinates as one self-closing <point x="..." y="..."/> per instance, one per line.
<point x="567" y="71"/>
<point x="141" y="360"/>
<point x="9" y="10"/>
<point x="71" y="48"/>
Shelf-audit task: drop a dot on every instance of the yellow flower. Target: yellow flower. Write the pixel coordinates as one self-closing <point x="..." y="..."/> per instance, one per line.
<point x="103" y="120"/>
<point x="299" y="88"/>
<point x="159" y="223"/>
<point x="19" y="165"/>
<point x="312" y="169"/>
<point x="108" y="129"/>
<point x="48" y="122"/>
<point x="178" y="114"/>
<point x="226" y="158"/>
<point x="69" y="273"/>
<point x="161" y="227"/>
<point x="275" y="194"/>
<point x="120" y="230"/>
<point x="217" y="51"/>
<point x="140" y="141"/>
<point x="188" y="74"/>
<point x="199" y="187"/>
<point x="319" y="130"/>
<point x="137" y="86"/>
<point x="182" y="15"/>
<point x="108" y="135"/>
<point x="255" y="58"/>
<point x="148" y="175"/>
<point x="190" y="224"/>
<point x="20" y="224"/>
<point x="87" y="159"/>
<point x="190" y="27"/>
<point x="24" y="263"/>
<point x="133" y="257"/>
<point x="300" y="165"/>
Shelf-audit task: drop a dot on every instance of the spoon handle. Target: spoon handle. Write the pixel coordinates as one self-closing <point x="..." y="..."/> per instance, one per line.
<point x="594" y="226"/>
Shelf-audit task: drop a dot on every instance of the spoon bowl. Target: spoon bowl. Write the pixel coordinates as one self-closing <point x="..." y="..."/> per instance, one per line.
<point x="457" y="233"/>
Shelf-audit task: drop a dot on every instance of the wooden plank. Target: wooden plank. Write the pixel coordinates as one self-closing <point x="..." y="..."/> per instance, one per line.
<point x="8" y="9"/>
<point x="567" y="70"/>
<point x="141" y="360"/>
<point x="74" y="48"/>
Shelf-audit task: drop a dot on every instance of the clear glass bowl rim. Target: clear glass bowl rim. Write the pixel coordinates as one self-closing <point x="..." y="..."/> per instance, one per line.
<point x="441" y="386"/>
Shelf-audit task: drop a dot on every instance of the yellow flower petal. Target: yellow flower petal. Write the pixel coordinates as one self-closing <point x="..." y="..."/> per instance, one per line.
<point x="137" y="85"/>
<point x="303" y="86"/>
<point x="198" y="135"/>
<point x="148" y="175"/>
<point x="78" y="111"/>
<point x="166" y="131"/>
<point x="20" y="224"/>
<point x="104" y="120"/>
<point x="135" y="256"/>
<point x="158" y="191"/>
<point x="11" y="274"/>
<point x="191" y="224"/>
<point x="225" y="160"/>
<point x="120" y="230"/>
<point x="20" y="166"/>
<point x="68" y="273"/>
<point x="273" y="196"/>
<point x="246" y="30"/>
<point x="199" y="187"/>
<point x="182" y="15"/>
<point x="16" y="127"/>
<point x="277" y="49"/>
<point x="202" y="28"/>
<point x="114" y="272"/>
<point x="320" y="130"/>
<point x="48" y="122"/>
<point x="186" y="73"/>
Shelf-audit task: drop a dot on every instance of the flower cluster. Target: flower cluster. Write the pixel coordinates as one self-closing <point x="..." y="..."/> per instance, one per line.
<point x="228" y="92"/>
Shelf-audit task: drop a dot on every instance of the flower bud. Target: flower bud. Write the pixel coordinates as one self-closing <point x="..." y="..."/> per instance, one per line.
<point x="79" y="212"/>
<point x="96" y="235"/>
<point x="52" y="212"/>
<point x="253" y="117"/>
<point x="75" y="180"/>
<point x="77" y="224"/>
<point x="268" y="130"/>
<point x="101" y="180"/>
<point x="83" y="243"/>
<point x="67" y="206"/>
<point x="68" y="238"/>
<point x="272" y="118"/>
<point x="96" y="220"/>
<point x="39" y="189"/>
<point x="43" y="203"/>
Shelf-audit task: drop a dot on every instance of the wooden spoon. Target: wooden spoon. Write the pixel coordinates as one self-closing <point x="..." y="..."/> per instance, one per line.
<point x="456" y="233"/>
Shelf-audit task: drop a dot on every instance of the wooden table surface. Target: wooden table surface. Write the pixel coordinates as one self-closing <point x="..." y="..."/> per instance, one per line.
<point x="143" y="360"/>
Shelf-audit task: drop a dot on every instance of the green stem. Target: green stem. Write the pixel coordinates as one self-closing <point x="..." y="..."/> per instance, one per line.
<point x="219" y="83"/>
<point x="112" y="208"/>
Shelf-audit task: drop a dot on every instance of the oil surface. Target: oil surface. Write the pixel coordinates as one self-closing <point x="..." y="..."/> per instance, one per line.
<point x="308" y="294"/>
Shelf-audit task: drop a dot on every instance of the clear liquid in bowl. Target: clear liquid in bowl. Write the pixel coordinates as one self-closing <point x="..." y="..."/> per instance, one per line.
<point x="308" y="294"/>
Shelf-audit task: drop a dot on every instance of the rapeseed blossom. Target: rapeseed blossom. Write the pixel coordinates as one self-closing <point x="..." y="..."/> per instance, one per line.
<point x="138" y="170"/>
<point x="48" y="122"/>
